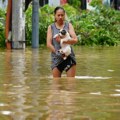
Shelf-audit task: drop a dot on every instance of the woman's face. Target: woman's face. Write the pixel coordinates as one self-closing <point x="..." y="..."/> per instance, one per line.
<point x="60" y="16"/>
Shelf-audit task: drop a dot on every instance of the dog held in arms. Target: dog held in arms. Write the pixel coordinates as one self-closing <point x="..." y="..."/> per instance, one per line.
<point x="65" y="48"/>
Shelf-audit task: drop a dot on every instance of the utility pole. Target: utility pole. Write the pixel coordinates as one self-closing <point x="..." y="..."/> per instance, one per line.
<point x="35" y="24"/>
<point x="18" y="24"/>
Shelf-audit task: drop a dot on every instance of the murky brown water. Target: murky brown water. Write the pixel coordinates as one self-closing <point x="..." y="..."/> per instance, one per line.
<point x="28" y="92"/>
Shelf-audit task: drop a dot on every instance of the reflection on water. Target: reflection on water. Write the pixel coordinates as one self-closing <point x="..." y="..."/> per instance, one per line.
<point x="61" y="99"/>
<point x="28" y="92"/>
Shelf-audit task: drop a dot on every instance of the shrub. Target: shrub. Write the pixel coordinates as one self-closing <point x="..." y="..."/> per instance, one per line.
<point x="2" y="27"/>
<point x="46" y="17"/>
<point x="99" y="27"/>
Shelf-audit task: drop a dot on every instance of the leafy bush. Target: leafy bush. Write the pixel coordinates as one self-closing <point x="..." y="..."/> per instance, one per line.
<point x="28" y="25"/>
<point x="95" y="3"/>
<point x="2" y="27"/>
<point x="46" y="17"/>
<point x="99" y="27"/>
<point x="75" y="3"/>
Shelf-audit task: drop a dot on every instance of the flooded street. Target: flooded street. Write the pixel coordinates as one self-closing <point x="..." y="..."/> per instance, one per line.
<point x="28" y="91"/>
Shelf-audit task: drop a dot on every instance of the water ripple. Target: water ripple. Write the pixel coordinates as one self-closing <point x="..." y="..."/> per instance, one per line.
<point x="91" y="77"/>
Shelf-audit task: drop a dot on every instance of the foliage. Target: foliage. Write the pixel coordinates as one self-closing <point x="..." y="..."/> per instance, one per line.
<point x="95" y="3"/>
<point x="46" y="17"/>
<point x="71" y="12"/>
<point x="28" y="25"/>
<point x="75" y="3"/>
<point x="99" y="27"/>
<point x="2" y="27"/>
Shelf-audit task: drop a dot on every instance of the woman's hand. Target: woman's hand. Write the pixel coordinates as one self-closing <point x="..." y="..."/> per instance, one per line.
<point x="58" y="38"/>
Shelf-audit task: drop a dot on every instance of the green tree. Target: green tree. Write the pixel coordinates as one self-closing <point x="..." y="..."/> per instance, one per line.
<point x="2" y="28"/>
<point x="98" y="27"/>
<point x="75" y="3"/>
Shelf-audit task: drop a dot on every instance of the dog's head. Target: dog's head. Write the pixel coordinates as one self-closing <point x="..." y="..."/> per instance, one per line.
<point x="62" y="32"/>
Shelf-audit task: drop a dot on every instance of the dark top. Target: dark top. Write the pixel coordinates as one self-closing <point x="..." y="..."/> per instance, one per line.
<point x="55" y="59"/>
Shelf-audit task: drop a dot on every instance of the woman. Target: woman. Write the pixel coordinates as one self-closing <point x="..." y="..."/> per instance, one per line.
<point x="58" y="63"/>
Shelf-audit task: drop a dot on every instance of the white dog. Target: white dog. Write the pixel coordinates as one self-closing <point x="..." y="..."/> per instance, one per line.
<point x="65" y="48"/>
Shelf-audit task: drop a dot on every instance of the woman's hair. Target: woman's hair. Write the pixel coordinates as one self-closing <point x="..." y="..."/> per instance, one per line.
<point x="58" y="8"/>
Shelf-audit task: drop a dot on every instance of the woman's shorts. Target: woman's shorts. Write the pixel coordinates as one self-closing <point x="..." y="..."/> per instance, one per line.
<point x="66" y="64"/>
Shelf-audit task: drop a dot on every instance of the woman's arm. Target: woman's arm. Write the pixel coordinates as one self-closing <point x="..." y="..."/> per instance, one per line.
<point x="72" y="34"/>
<point x="49" y="39"/>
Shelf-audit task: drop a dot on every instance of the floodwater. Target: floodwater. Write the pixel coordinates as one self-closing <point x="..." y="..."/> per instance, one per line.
<point x="28" y="91"/>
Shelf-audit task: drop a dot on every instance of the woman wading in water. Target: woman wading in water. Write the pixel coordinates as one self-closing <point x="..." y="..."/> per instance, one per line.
<point x="58" y="63"/>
